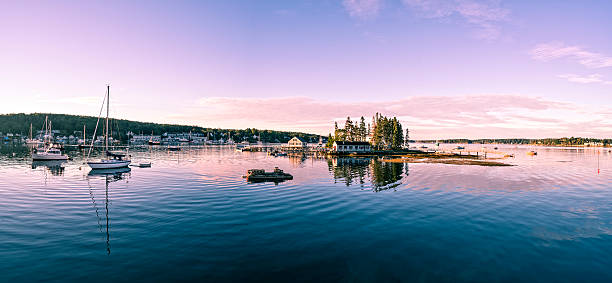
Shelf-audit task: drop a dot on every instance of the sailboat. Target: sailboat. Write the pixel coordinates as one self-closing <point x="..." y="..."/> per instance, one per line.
<point x="153" y="142"/>
<point x="31" y="140"/>
<point x="48" y="151"/>
<point x="113" y="160"/>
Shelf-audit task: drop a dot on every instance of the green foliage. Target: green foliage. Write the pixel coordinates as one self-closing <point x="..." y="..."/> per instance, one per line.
<point x="387" y="133"/>
<point x="352" y="131"/>
<point x="73" y="125"/>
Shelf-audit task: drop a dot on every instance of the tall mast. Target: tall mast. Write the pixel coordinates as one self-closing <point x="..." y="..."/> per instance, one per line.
<point x="107" y="111"/>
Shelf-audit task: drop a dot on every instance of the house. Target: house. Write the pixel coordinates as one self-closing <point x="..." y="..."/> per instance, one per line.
<point x="296" y="143"/>
<point x="351" y="146"/>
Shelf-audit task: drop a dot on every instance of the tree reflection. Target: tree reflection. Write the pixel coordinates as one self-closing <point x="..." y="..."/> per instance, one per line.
<point x="353" y="171"/>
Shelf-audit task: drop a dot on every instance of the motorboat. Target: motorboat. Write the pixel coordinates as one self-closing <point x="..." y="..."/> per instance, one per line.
<point x="48" y="153"/>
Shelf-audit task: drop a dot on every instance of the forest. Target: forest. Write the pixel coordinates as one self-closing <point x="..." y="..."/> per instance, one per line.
<point x="73" y="125"/>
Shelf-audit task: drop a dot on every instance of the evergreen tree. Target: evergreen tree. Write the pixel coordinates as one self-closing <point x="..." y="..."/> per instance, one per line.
<point x="362" y="129"/>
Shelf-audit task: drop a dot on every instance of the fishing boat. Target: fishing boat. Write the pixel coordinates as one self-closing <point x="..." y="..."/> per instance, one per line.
<point x="113" y="160"/>
<point x="260" y="175"/>
<point x="48" y="151"/>
<point x="532" y="153"/>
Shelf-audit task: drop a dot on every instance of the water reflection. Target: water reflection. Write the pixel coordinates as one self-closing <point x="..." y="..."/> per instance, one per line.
<point x="382" y="175"/>
<point x="109" y="175"/>
<point x="55" y="167"/>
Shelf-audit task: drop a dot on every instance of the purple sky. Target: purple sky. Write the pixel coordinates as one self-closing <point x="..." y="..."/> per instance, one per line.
<point x="446" y="68"/>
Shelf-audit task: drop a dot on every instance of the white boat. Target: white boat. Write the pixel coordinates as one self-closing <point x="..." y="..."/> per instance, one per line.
<point x="113" y="160"/>
<point x="48" y="151"/>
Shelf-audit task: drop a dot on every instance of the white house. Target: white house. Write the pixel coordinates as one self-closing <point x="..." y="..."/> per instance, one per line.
<point x="296" y="143"/>
<point x="349" y="146"/>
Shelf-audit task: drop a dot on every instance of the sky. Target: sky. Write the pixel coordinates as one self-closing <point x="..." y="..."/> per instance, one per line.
<point x="445" y="68"/>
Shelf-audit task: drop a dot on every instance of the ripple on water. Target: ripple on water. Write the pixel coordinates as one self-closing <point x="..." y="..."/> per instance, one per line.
<point x="192" y="216"/>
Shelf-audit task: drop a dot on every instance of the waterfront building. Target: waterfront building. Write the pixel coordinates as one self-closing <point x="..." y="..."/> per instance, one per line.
<point x="351" y="146"/>
<point x="296" y="143"/>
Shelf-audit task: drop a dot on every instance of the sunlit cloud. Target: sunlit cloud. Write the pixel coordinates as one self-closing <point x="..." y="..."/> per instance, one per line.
<point x="485" y="15"/>
<point x="362" y="9"/>
<point x="593" y="78"/>
<point x="559" y="50"/>
<point x="477" y="116"/>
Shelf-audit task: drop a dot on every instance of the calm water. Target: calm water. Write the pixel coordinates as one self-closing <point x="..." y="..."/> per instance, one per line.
<point x="192" y="217"/>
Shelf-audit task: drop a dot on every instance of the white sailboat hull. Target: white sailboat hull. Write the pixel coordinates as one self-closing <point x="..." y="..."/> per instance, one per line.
<point x="109" y="164"/>
<point x="47" y="156"/>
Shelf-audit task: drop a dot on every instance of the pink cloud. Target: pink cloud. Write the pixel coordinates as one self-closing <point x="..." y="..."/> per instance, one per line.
<point x="477" y="116"/>
<point x="559" y="50"/>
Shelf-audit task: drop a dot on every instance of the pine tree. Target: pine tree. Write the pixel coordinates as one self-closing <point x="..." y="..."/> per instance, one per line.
<point x="362" y="129"/>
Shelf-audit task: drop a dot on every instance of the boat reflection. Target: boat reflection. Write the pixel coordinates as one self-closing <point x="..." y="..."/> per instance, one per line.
<point x="110" y="176"/>
<point x="353" y="171"/>
<point x="55" y="167"/>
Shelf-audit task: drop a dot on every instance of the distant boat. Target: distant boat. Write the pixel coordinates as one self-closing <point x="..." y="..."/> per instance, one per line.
<point x="31" y="140"/>
<point x="174" y="148"/>
<point x="532" y="153"/>
<point x="48" y="151"/>
<point x="153" y="142"/>
<point x="460" y="147"/>
<point x="113" y="160"/>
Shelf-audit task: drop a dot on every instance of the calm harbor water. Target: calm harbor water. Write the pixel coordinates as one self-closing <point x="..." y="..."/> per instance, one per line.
<point x="192" y="217"/>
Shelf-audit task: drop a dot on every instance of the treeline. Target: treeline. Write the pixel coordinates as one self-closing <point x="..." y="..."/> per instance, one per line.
<point x="386" y="133"/>
<point x="73" y="125"/>
<point x="352" y="131"/>
<point x="547" y="141"/>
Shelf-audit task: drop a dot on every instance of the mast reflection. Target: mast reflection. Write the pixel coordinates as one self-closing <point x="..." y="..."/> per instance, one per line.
<point x="109" y="175"/>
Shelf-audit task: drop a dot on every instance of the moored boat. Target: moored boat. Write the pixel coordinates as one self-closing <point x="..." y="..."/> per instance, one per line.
<point x="260" y="175"/>
<point x="113" y="160"/>
<point x="49" y="153"/>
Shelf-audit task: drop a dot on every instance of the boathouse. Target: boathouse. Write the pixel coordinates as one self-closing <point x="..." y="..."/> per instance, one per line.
<point x="351" y="146"/>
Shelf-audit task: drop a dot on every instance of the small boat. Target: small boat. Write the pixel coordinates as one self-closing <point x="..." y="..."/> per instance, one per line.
<point x="144" y="165"/>
<point x="460" y="147"/>
<point x="496" y="148"/>
<point x="532" y="153"/>
<point x="174" y="148"/>
<point x="260" y="175"/>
